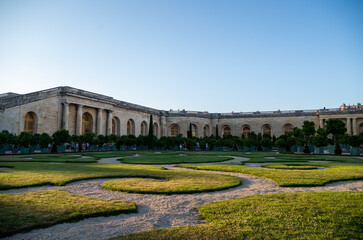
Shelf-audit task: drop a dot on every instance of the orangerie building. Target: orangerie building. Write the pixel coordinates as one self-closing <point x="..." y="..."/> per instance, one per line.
<point x="79" y="111"/>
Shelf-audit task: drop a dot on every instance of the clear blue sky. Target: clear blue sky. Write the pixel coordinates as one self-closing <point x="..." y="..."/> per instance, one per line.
<point x="218" y="56"/>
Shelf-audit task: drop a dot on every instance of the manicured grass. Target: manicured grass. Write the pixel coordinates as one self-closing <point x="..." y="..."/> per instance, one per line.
<point x="172" y="182"/>
<point x="296" y="166"/>
<point x="26" y="211"/>
<point x="173" y="158"/>
<point x="308" y="215"/>
<point x="59" y="157"/>
<point x="35" y="174"/>
<point x="336" y="171"/>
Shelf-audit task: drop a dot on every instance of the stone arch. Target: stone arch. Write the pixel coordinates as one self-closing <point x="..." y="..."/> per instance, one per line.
<point x="143" y="129"/>
<point x="156" y="130"/>
<point x="246" y="130"/>
<point x="87" y="122"/>
<point x="360" y="129"/>
<point x="174" y="130"/>
<point x="287" y="128"/>
<point x="206" y="131"/>
<point x="266" y="129"/>
<point x="31" y="122"/>
<point x="116" y="126"/>
<point x="226" y="130"/>
<point x="194" y="130"/>
<point x="130" y="127"/>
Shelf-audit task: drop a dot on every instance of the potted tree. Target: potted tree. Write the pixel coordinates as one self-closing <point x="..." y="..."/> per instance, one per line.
<point x="44" y="140"/>
<point x="24" y="140"/>
<point x="60" y="137"/>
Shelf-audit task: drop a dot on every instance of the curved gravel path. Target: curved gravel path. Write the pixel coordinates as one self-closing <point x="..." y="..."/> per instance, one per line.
<point x="158" y="211"/>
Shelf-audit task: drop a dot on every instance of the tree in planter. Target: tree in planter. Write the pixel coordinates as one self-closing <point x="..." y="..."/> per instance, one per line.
<point x="60" y="137"/>
<point x="321" y="139"/>
<point x="4" y="137"/>
<point x="281" y="143"/>
<point x="24" y="139"/>
<point x="266" y="142"/>
<point x="112" y="138"/>
<point x="44" y="140"/>
<point x="336" y="127"/>
<point x="150" y="137"/>
<point x="89" y="137"/>
<point x="35" y="139"/>
<point x="355" y="141"/>
<point x="308" y="130"/>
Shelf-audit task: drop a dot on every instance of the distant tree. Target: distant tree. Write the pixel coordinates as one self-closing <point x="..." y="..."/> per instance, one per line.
<point x="60" y="137"/>
<point x="217" y="132"/>
<point x="35" y="139"/>
<point x="112" y="138"/>
<point x="355" y="141"/>
<point x="335" y="127"/>
<point x="88" y="137"/>
<point x="24" y="139"/>
<point x="44" y="140"/>
<point x="150" y="140"/>
<point x="321" y="139"/>
<point x="308" y="130"/>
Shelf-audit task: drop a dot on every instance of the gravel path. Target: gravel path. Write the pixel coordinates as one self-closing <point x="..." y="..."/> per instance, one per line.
<point x="157" y="211"/>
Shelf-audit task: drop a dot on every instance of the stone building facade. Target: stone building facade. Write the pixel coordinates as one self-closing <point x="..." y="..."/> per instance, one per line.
<point x="79" y="111"/>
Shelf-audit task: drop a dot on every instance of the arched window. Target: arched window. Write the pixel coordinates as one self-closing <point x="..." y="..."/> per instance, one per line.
<point x="116" y="126"/>
<point x="156" y="130"/>
<point x="246" y="131"/>
<point x="194" y="130"/>
<point x="361" y="128"/>
<point x="130" y="127"/>
<point x="86" y="122"/>
<point x="287" y="128"/>
<point x="143" y="128"/>
<point x="30" y="122"/>
<point x="266" y="129"/>
<point x="174" y="130"/>
<point x="206" y="131"/>
<point x="226" y="131"/>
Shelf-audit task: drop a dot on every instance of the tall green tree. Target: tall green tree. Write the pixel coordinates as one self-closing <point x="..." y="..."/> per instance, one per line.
<point x="150" y="138"/>
<point x="60" y="137"/>
<point x="335" y="127"/>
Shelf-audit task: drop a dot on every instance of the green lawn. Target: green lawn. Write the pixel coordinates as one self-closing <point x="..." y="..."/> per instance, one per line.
<point x="173" y="158"/>
<point x="294" y="165"/>
<point x="35" y="174"/>
<point x="335" y="171"/>
<point x="59" y="157"/>
<point x="26" y="211"/>
<point x="308" y="215"/>
<point x="172" y="182"/>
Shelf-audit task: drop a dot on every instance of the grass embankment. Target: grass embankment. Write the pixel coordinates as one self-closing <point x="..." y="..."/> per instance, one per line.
<point x="294" y="166"/>
<point x="36" y="174"/>
<point x="173" y="158"/>
<point x="318" y="215"/>
<point x="58" y="157"/>
<point x="26" y="211"/>
<point x="335" y="171"/>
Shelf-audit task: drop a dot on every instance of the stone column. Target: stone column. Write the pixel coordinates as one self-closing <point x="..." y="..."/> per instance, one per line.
<point x="65" y="116"/>
<point x="99" y="121"/>
<point x="109" y="122"/>
<point x="163" y="130"/>
<point x="355" y="126"/>
<point x="79" y="120"/>
<point x="349" y="126"/>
